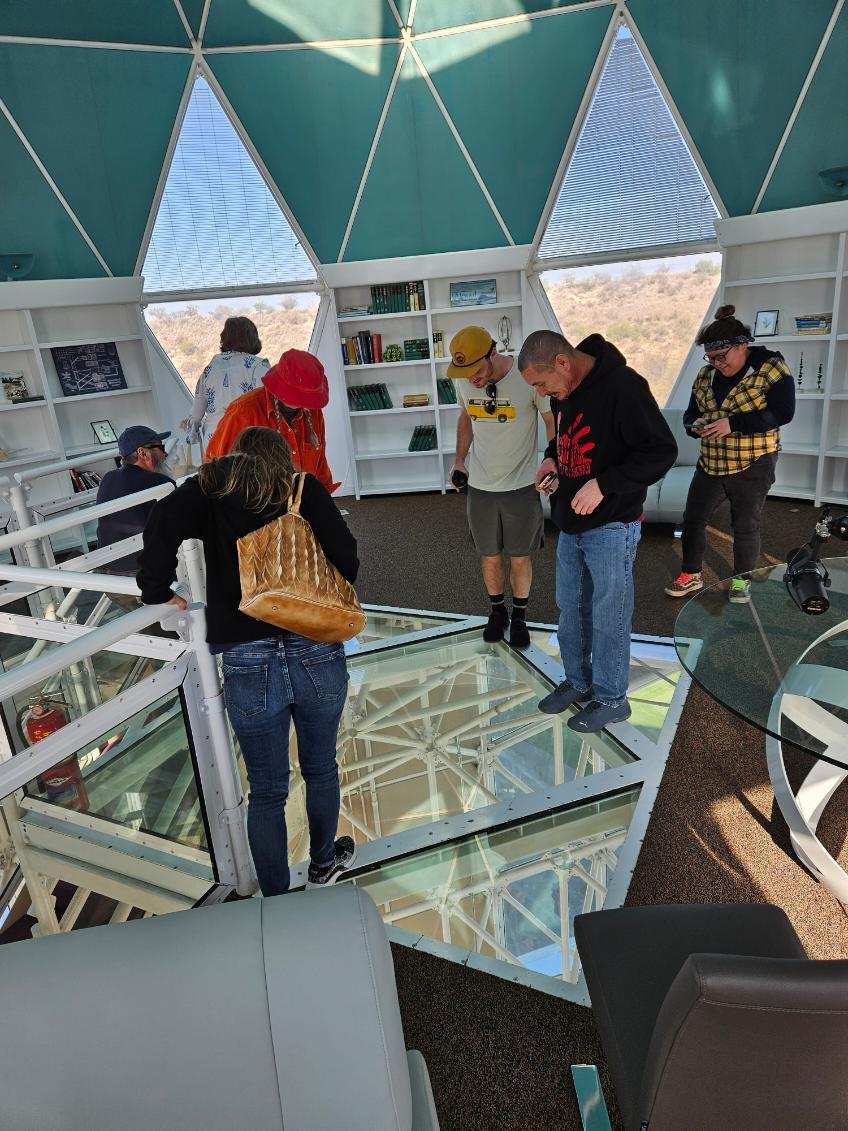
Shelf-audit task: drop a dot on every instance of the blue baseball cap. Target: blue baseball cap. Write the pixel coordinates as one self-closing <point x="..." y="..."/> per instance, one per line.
<point x="139" y="436"/>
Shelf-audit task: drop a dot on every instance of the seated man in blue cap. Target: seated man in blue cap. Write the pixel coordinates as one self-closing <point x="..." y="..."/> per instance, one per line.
<point x="142" y="455"/>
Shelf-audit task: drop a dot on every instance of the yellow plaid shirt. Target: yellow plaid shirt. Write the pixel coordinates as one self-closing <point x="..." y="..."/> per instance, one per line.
<point x="728" y="455"/>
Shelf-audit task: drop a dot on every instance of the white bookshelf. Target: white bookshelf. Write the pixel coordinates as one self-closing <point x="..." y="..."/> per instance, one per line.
<point x="379" y="437"/>
<point x="36" y="317"/>
<point x="795" y="262"/>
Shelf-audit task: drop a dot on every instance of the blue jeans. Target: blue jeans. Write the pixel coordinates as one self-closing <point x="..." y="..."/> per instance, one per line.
<point x="268" y="685"/>
<point x="594" y="593"/>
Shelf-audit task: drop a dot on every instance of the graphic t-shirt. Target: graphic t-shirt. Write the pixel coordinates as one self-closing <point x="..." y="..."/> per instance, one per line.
<point x="503" y="455"/>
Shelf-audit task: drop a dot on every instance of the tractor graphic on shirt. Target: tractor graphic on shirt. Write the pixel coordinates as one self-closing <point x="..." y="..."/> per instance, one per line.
<point x="504" y="411"/>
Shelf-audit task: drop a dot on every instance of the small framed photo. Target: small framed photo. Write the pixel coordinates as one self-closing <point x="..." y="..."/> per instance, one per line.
<point x="765" y="324"/>
<point x="104" y="432"/>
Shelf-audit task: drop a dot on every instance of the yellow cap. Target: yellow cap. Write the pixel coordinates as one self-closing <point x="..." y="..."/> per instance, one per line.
<point x="469" y="347"/>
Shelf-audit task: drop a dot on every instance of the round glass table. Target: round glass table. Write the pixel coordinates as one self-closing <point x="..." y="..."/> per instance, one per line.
<point x="785" y="672"/>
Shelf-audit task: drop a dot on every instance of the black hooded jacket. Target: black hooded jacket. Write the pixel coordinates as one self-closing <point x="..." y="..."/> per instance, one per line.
<point x="610" y="429"/>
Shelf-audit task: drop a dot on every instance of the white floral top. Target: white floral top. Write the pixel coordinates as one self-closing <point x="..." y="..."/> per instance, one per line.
<point x="227" y="376"/>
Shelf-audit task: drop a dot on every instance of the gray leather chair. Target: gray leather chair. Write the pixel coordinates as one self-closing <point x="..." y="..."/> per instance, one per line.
<point x="666" y="500"/>
<point x="712" y="1017"/>
<point x="271" y="1013"/>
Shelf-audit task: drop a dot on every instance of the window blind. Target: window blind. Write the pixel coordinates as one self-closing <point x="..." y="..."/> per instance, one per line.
<point x="218" y="224"/>
<point x="631" y="182"/>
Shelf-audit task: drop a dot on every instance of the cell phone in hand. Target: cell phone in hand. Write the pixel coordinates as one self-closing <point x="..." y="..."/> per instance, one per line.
<point x="459" y="479"/>
<point x="548" y="482"/>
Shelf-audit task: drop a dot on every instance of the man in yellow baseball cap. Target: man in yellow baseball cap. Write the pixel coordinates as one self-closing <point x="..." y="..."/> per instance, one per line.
<point x="497" y="434"/>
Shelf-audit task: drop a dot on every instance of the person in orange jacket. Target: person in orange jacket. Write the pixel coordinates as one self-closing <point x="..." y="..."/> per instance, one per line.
<point x="290" y="400"/>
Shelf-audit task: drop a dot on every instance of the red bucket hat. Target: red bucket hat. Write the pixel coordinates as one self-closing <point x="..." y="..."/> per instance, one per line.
<point x="298" y="380"/>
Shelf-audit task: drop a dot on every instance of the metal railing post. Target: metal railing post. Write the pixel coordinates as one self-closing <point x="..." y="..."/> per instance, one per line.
<point x="20" y="505"/>
<point x="233" y="812"/>
<point x="192" y="555"/>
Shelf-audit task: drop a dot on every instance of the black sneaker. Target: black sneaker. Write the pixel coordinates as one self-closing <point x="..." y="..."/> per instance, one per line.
<point x="345" y="856"/>
<point x="496" y="625"/>
<point x="519" y="634"/>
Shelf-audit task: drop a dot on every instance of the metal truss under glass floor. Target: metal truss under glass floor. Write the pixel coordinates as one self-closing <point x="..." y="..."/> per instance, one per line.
<point x="483" y="825"/>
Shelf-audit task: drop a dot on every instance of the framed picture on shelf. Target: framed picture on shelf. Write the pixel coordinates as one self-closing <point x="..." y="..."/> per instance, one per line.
<point x="765" y="324"/>
<point x="14" y="386"/>
<point x="474" y="292"/>
<point x="83" y="370"/>
<point x="104" y="432"/>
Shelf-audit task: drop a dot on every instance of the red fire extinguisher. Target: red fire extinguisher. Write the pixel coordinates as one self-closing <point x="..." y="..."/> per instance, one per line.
<point x="63" y="783"/>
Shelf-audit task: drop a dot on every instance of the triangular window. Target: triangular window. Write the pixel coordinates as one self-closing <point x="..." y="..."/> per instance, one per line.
<point x="218" y="226"/>
<point x="632" y="182"/>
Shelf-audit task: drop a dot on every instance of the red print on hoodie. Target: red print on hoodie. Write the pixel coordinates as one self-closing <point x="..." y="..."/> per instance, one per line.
<point x="573" y="449"/>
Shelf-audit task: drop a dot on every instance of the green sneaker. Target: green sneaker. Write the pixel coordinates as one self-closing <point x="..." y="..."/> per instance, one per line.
<point x="740" y="590"/>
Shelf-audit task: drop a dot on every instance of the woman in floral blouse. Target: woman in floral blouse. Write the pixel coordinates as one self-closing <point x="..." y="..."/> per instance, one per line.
<point x="231" y="373"/>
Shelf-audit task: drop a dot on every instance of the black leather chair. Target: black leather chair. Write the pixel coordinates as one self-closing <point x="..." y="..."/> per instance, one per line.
<point x="712" y="1017"/>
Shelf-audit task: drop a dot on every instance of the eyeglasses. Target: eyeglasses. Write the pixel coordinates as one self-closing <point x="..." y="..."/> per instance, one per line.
<point x="490" y="406"/>
<point x="718" y="358"/>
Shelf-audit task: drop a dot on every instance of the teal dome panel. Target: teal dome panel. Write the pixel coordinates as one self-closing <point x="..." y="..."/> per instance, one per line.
<point x="193" y="10"/>
<point x="33" y="220"/>
<point x="234" y="23"/>
<point x="495" y="83"/>
<point x="420" y="195"/>
<point x="433" y="14"/>
<point x="312" y="115"/>
<point x="819" y="138"/>
<point x="104" y="21"/>
<point x="100" y="121"/>
<point x="734" y="69"/>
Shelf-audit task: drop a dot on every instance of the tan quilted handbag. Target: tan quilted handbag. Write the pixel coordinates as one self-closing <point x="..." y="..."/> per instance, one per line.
<point x="287" y="581"/>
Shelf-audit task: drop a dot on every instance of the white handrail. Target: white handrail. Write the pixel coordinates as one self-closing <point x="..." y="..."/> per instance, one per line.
<point x="56" y="525"/>
<point x="71" y="579"/>
<point x="38" y="472"/>
<point x="37" y="671"/>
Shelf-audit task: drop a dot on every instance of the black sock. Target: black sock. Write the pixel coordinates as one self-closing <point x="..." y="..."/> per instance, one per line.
<point x="519" y="607"/>
<point x="498" y="604"/>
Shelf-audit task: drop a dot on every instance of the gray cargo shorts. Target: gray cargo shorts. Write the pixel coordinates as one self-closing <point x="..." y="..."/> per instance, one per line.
<point x="505" y="522"/>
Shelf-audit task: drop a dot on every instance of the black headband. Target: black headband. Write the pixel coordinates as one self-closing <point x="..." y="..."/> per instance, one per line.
<point x="721" y="343"/>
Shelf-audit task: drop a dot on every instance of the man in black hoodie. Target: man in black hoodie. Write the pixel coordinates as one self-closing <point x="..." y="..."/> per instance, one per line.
<point x="611" y="442"/>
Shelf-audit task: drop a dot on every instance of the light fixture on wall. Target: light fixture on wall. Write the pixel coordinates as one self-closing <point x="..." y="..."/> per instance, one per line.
<point x="14" y="267"/>
<point x="835" y="180"/>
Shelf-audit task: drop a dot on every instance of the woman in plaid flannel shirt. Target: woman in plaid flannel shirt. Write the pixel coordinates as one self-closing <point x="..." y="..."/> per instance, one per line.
<point x="740" y="398"/>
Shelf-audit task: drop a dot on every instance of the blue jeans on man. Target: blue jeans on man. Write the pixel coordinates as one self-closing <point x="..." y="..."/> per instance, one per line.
<point x="268" y="685"/>
<point x="594" y="593"/>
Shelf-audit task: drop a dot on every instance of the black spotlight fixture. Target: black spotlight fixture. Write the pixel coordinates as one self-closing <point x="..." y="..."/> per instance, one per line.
<point x="14" y="267"/>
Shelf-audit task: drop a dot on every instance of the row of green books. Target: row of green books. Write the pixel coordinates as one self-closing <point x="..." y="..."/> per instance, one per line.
<point x="423" y="438"/>
<point x="394" y="298"/>
<point x="363" y="398"/>
<point x="446" y="390"/>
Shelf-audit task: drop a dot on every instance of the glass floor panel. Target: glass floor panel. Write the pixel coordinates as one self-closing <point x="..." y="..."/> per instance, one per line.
<point x="510" y="895"/>
<point x="443" y="727"/>
<point x="385" y="626"/>
<point x="140" y="775"/>
<point x="655" y="671"/>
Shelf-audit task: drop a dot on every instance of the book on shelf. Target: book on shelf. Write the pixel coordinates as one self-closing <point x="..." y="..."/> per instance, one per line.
<point x="83" y="480"/>
<point x="416" y="400"/>
<point x="362" y="349"/>
<point x="416" y="349"/>
<point x="397" y="298"/>
<point x="367" y="398"/>
<point x="446" y="390"/>
<point x="423" y="438"/>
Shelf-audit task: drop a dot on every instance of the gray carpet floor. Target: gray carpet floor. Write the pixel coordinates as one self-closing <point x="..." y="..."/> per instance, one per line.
<point x="499" y="1054"/>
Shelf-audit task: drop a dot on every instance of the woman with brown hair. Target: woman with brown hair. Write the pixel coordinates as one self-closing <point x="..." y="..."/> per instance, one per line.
<point x="272" y="678"/>
<point x="234" y="371"/>
<point x="739" y="400"/>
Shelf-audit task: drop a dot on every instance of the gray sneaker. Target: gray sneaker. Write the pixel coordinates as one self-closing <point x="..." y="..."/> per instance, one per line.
<point x="564" y="695"/>
<point x="345" y="856"/>
<point x="595" y="716"/>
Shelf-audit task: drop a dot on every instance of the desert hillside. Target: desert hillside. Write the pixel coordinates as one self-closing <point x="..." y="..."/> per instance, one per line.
<point x="651" y="317"/>
<point x="191" y="337"/>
